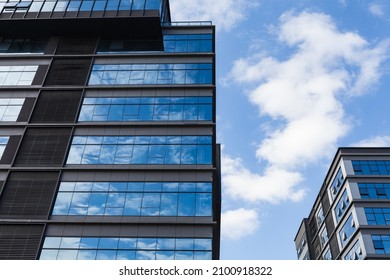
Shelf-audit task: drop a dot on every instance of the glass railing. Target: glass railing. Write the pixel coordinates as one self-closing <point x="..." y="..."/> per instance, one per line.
<point x="187" y="23"/>
<point x="66" y="6"/>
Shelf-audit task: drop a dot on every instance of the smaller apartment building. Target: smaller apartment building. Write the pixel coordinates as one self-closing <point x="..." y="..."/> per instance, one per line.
<point x="350" y="219"/>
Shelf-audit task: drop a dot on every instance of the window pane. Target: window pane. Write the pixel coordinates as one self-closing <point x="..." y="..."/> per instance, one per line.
<point x="186" y="204"/>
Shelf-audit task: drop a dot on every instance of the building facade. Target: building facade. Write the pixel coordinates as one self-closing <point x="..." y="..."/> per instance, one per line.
<point x="107" y="132"/>
<point x="350" y="219"/>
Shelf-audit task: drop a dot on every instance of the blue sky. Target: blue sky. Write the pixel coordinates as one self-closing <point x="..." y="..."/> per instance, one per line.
<point x="296" y="80"/>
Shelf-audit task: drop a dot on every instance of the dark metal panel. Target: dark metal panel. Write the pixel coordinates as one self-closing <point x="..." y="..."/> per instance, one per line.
<point x="68" y="72"/>
<point x="56" y="107"/>
<point x="10" y="150"/>
<point x="26" y="109"/>
<point x="20" y="242"/>
<point x="52" y="45"/>
<point x="132" y="26"/>
<point x="28" y="195"/>
<point x="43" y="147"/>
<point x="40" y="75"/>
<point x="77" y="45"/>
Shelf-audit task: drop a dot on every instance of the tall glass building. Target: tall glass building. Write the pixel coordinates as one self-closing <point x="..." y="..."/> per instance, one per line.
<point x="350" y="219"/>
<point x="107" y="132"/>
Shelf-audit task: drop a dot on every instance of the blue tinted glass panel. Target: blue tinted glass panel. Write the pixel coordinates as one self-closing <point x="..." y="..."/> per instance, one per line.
<point x="105" y="248"/>
<point x="347" y="230"/>
<point x="374" y="191"/>
<point x="137" y="75"/>
<point x="144" y="150"/>
<point x="147" y="109"/>
<point x="342" y="206"/>
<point x="378" y="216"/>
<point x="134" y="199"/>
<point x="337" y="183"/>
<point x="381" y="244"/>
<point x="371" y="167"/>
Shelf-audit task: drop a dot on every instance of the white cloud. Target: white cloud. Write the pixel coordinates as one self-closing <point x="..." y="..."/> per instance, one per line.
<point x="377" y="141"/>
<point x="238" y="223"/>
<point x="343" y="2"/>
<point x="273" y="186"/>
<point x="376" y="10"/>
<point x="225" y="14"/>
<point x="303" y="95"/>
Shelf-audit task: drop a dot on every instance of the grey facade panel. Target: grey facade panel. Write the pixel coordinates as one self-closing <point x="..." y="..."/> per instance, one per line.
<point x="10" y="150"/>
<point x="129" y="230"/>
<point x="25" y="113"/>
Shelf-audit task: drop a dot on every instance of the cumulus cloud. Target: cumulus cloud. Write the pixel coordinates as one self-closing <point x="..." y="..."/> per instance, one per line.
<point x="238" y="223"/>
<point x="303" y="95"/>
<point x="377" y="141"/>
<point x="273" y="186"/>
<point x="225" y="14"/>
<point x="376" y="10"/>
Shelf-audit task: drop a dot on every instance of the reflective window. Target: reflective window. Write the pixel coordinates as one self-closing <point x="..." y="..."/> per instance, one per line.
<point x="324" y="236"/>
<point x="146" y="109"/>
<point x="36" y="6"/>
<point x="381" y="243"/>
<point x="140" y="150"/>
<point x="374" y="190"/>
<point x="371" y="167"/>
<point x="17" y="75"/>
<point x="356" y="252"/>
<point x="61" y="5"/>
<point x="327" y="255"/>
<point x="14" y="6"/>
<point x="320" y="216"/>
<point x="151" y="74"/>
<point x="337" y="183"/>
<point x="22" y="46"/>
<point x="342" y="206"/>
<point x="125" y="248"/>
<point x="347" y="230"/>
<point x="378" y="216"/>
<point x="10" y="109"/>
<point x="3" y="144"/>
<point x="180" y="43"/>
<point x="134" y="199"/>
<point x="301" y="246"/>
<point x="176" y="43"/>
<point x="98" y="5"/>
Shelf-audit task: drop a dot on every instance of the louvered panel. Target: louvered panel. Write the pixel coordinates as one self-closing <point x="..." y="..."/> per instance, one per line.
<point x="20" y="242"/>
<point x="71" y="72"/>
<point x="28" y="195"/>
<point x="56" y="107"/>
<point x="77" y="45"/>
<point x="43" y="147"/>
